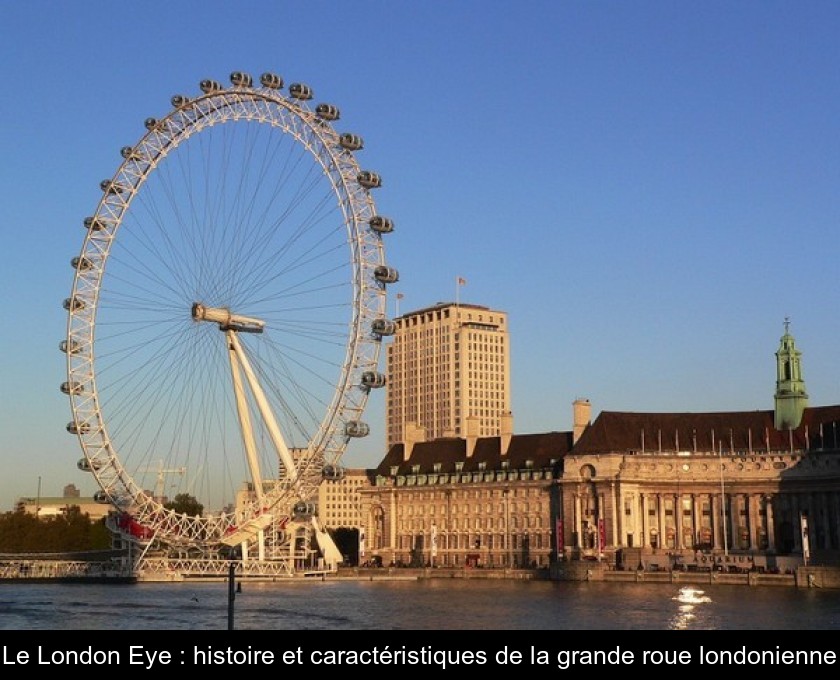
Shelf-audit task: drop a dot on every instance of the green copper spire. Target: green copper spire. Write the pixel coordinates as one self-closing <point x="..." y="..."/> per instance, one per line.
<point x="791" y="398"/>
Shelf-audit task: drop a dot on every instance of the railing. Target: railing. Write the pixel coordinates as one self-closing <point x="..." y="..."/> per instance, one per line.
<point x="60" y="569"/>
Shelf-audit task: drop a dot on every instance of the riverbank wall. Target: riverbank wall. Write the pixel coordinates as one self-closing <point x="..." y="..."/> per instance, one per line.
<point x="801" y="577"/>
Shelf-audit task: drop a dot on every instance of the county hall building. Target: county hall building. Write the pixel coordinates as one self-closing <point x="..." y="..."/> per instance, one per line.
<point x="634" y="490"/>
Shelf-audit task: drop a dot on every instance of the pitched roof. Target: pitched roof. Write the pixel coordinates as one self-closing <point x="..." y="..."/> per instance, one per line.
<point x="544" y="450"/>
<point x="728" y="431"/>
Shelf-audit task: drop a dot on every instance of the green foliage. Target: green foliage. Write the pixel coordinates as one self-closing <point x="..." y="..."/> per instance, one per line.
<point x="185" y="504"/>
<point x="21" y="532"/>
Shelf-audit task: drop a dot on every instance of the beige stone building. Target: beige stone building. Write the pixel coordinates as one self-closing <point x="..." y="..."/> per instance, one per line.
<point x="466" y="502"/>
<point x="339" y="500"/>
<point x="723" y="490"/>
<point x="699" y="490"/>
<point x="448" y="369"/>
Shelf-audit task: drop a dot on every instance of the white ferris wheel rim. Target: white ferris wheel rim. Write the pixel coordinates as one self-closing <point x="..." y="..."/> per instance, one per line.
<point x="100" y="375"/>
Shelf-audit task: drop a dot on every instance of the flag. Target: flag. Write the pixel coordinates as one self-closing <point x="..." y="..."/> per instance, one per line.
<point x="400" y="296"/>
<point x="462" y="282"/>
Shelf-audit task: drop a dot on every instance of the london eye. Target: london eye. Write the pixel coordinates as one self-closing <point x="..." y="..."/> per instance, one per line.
<point x="226" y="314"/>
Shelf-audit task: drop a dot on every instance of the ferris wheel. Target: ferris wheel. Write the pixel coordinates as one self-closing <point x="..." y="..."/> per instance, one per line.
<point x="227" y="312"/>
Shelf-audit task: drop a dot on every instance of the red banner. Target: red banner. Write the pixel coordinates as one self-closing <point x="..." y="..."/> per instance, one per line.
<point x="602" y="533"/>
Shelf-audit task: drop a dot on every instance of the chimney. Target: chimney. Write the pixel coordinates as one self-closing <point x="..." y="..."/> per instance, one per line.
<point x="472" y="424"/>
<point x="507" y="432"/>
<point x="414" y="434"/>
<point x="582" y="411"/>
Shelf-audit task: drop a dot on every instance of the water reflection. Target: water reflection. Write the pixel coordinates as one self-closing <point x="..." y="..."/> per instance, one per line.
<point x="434" y="604"/>
<point x="688" y="598"/>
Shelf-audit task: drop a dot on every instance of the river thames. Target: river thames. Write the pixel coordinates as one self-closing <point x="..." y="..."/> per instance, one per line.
<point x="429" y="604"/>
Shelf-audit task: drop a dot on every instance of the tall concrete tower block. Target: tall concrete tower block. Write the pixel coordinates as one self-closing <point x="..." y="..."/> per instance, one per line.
<point x="791" y="398"/>
<point x="446" y="364"/>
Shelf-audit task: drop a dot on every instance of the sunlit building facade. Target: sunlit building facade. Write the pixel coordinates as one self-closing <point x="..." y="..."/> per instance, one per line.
<point x="339" y="500"/>
<point x="700" y="490"/>
<point x="448" y="373"/>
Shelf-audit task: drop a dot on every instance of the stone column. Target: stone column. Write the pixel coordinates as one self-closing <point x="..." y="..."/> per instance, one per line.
<point x="771" y="524"/>
<point x="392" y="524"/>
<point x="678" y="522"/>
<point x="660" y="510"/>
<point x="643" y="500"/>
<point x="752" y="519"/>
<point x="717" y="539"/>
<point x="734" y="520"/>
<point x="578" y="524"/>
<point x="696" y="518"/>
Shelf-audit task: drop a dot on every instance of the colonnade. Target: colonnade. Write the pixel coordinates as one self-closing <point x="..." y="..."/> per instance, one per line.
<point x="610" y="516"/>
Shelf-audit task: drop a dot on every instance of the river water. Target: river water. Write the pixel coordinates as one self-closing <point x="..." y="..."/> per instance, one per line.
<point x="432" y="604"/>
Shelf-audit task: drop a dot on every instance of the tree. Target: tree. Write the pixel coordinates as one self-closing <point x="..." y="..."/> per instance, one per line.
<point x="185" y="504"/>
<point x="72" y="531"/>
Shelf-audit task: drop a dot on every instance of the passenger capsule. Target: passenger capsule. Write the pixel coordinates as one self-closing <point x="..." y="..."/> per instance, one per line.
<point x="70" y="347"/>
<point x="109" y="186"/>
<point x="300" y="91"/>
<point x="84" y="465"/>
<point x="210" y="86"/>
<point x="383" y="327"/>
<point x="71" y="388"/>
<point x="327" y="112"/>
<point x="73" y="304"/>
<point x="373" y="379"/>
<point x="150" y="123"/>
<point x="271" y="80"/>
<point x="385" y="274"/>
<point x="369" y="180"/>
<point x="179" y="100"/>
<point x="356" y="428"/>
<point x="95" y="223"/>
<point x="81" y="264"/>
<point x="304" y="509"/>
<point x="101" y="496"/>
<point x="240" y="79"/>
<point x="383" y="225"/>
<point x="78" y="428"/>
<point x="351" y="142"/>
<point x="332" y="472"/>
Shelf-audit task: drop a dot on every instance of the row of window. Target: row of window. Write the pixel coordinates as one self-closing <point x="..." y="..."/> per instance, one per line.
<point x="465" y="509"/>
<point x="470" y="541"/>
<point x="466" y="523"/>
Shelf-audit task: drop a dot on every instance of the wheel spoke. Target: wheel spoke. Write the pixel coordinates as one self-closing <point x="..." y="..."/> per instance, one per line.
<point x="239" y="211"/>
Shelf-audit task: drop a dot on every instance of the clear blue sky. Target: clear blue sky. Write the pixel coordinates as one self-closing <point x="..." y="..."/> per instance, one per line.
<point x="647" y="188"/>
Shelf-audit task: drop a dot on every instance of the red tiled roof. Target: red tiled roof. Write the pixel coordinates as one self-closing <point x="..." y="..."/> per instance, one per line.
<point x="544" y="450"/>
<point x="614" y="431"/>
